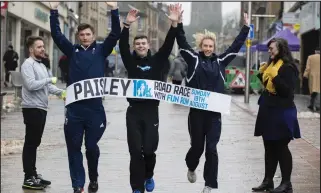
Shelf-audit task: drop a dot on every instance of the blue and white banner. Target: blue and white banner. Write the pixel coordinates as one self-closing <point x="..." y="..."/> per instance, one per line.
<point x="148" y="89"/>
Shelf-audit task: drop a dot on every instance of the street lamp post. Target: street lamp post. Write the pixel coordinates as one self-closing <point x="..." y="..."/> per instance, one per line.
<point x="257" y="23"/>
<point x="248" y="52"/>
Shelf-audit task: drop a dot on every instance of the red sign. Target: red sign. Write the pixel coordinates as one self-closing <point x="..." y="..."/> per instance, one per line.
<point x="238" y="81"/>
<point x="4" y="4"/>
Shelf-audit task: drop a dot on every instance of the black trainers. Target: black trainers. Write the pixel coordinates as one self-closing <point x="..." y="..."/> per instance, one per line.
<point x="43" y="181"/>
<point x="32" y="183"/>
<point x="93" y="186"/>
<point x="79" y="190"/>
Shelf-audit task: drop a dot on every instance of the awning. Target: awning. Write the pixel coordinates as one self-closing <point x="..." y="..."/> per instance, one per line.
<point x="293" y="41"/>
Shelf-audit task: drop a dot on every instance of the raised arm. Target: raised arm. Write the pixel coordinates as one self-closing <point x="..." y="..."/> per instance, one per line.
<point x="61" y="41"/>
<point x="232" y="51"/>
<point x="165" y="50"/>
<point x="124" y="47"/>
<point x="111" y="40"/>
<point x="186" y="51"/>
<point x="181" y="39"/>
<point x="188" y="54"/>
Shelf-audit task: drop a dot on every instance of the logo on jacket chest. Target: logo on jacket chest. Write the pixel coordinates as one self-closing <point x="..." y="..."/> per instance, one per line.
<point x="144" y="68"/>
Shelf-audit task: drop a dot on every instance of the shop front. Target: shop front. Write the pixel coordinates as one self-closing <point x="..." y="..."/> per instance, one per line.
<point x="31" y="18"/>
<point x="4" y="7"/>
<point x="310" y="34"/>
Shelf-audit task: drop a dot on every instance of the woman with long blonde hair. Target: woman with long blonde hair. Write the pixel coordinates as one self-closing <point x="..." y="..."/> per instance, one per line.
<point x="206" y="71"/>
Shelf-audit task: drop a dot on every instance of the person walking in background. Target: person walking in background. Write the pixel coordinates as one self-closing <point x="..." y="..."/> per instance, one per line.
<point x="46" y="61"/>
<point x="167" y="65"/>
<point x="277" y="120"/>
<point x="109" y="70"/>
<point x="10" y="60"/>
<point x="64" y="68"/>
<point x="312" y="73"/>
<point x="178" y="70"/>
<point x="36" y="87"/>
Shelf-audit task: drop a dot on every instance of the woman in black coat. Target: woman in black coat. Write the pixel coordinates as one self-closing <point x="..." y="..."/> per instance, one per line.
<point x="277" y="120"/>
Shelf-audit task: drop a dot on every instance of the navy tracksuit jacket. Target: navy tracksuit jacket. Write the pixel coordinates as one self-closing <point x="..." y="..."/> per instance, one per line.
<point x="206" y="73"/>
<point x="86" y="116"/>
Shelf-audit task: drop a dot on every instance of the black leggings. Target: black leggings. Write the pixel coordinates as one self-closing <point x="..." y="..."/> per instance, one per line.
<point x="277" y="151"/>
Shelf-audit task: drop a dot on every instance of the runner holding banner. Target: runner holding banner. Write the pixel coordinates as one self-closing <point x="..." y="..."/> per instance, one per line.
<point x="85" y="119"/>
<point x="206" y="71"/>
<point x="148" y="89"/>
<point x="142" y="120"/>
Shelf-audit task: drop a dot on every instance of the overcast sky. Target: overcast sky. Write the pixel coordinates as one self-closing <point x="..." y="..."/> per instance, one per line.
<point x="227" y="7"/>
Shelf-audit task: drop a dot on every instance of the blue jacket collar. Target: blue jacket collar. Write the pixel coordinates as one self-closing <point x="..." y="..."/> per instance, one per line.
<point x="88" y="48"/>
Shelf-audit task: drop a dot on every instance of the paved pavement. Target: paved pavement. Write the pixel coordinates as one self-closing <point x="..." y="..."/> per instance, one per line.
<point x="309" y="122"/>
<point x="301" y="102"/>
<point x="241" y="154"/>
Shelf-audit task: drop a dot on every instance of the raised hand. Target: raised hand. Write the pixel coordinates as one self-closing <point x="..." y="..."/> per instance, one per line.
<point x="180" y="18"/>
<point x="132" y="16"/>
<point x="113" y="5"/>
<point x="263" y="67"/>
<point x="246" y="19"/>
<point x="174" y="12"/>
<point x="54" y="5"/>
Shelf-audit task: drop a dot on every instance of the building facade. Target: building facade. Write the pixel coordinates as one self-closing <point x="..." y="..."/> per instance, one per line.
<point x="95" y="14"/>
<point x="73" y="20"/>
<point x="302" y="18"/>
<point x="308" y="32"/>
<point x="31" y="18"/>
<point x="204" y="15"/>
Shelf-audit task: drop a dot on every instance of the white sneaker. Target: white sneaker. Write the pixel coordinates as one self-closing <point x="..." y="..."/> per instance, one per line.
<point x="207" y="189"/>
<point x="191" y="176"/>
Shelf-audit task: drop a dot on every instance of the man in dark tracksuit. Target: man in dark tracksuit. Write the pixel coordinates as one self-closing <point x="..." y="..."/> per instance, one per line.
<point x="87" y="116"/>
<point x="142" y="115"/>
<point x="206" y="71"/>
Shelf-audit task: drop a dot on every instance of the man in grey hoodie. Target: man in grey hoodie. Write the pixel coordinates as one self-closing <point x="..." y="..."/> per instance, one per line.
<point x="37" y="85"/>
<point x="178" y="70"/>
